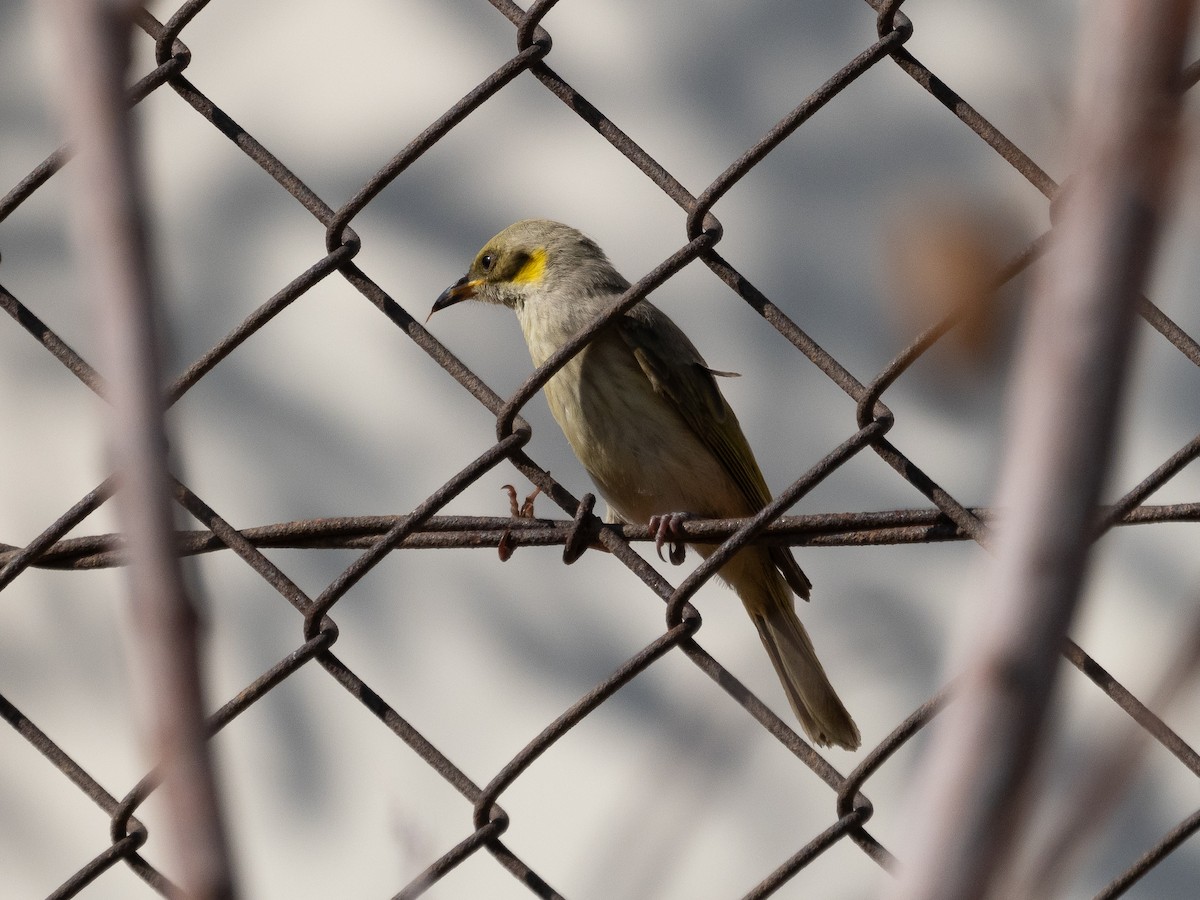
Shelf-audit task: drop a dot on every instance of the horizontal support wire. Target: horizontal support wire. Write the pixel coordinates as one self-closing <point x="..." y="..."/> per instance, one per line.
<point x="868" y="529"/>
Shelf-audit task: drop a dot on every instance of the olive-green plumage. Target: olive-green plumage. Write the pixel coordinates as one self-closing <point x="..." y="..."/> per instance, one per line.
<point x="644" y="415"/>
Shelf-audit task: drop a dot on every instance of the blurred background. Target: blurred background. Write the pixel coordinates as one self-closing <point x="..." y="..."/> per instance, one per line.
<point x="858" y="227"/>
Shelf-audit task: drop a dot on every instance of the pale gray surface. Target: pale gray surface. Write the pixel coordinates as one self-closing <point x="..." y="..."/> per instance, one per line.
<point x="667" y="791"/>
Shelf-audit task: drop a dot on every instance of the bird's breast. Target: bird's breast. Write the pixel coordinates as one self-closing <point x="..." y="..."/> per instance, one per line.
<point x="638" y="450"/>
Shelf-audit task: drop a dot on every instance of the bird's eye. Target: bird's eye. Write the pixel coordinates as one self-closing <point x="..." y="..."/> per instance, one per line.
<point x="486" y="261"/>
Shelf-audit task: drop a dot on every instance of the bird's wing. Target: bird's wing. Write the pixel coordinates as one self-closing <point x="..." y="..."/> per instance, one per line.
<point x="792" y="573"/>
<point x="678" y="373"/>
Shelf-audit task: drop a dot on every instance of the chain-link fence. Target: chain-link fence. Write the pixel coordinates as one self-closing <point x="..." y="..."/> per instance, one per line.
<point x="651" y="782"/>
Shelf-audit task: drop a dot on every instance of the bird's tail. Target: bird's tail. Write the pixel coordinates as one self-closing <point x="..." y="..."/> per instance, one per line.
<point x="771" y="605"/>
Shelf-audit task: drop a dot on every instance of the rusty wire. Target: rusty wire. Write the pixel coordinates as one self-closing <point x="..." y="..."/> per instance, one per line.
<point x="375" y="537"/>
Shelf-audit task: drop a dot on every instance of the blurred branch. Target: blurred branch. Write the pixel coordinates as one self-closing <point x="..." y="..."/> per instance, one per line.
<point x="110" y="239"/>
<point x="1107" y="772"/>
<point x="1073" y="356"/>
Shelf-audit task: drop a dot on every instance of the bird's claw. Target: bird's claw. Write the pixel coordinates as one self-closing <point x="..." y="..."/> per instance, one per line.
<point x="666" y="528"/>
<point x="525" y="510"/>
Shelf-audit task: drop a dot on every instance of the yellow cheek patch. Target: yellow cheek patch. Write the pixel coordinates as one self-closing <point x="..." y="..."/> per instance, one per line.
<point x="533" y="269"/>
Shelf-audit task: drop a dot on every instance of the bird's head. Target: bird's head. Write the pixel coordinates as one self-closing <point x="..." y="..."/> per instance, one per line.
<point x="535" y="261"/>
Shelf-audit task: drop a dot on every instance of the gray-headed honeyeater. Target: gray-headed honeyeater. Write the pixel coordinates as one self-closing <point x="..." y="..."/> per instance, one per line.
<point x="644" y="415"/>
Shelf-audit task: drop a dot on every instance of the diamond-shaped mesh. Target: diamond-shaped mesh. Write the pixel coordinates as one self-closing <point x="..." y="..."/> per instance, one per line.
<point x="368" y="546"/>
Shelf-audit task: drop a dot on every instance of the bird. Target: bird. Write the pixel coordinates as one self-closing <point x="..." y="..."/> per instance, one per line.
<point x="646" y="418"/>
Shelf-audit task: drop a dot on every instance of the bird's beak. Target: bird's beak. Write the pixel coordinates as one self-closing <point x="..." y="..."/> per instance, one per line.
<point x="463" y="289"/>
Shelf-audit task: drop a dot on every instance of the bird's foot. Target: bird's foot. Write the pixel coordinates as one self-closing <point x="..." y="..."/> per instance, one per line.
<point x="525" y="510"/>
<point x="666" y="528"/>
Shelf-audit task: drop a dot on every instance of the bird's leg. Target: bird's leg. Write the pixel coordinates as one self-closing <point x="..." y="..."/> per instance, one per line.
<point x="666" y="528"/>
